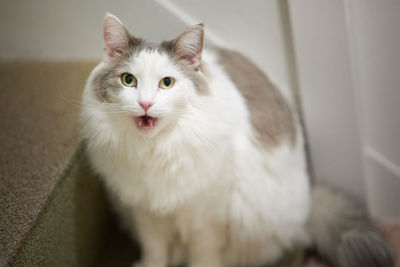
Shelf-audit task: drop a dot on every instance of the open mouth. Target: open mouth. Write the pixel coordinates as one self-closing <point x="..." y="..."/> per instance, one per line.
<point x="145" y="122"/>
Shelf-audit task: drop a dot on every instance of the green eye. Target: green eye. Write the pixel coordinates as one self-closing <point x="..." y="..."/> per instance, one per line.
<point x="167" y="82"/>
<point x="128" y="80"/>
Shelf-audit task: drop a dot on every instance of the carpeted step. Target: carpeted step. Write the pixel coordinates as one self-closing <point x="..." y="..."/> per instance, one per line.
<point x="39" y="114"/>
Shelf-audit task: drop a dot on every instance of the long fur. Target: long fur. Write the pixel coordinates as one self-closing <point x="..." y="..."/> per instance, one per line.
<point x="342" y="232"/>
<point x="200" y="188"/>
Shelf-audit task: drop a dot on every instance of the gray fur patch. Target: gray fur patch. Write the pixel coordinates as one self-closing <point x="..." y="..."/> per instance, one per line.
<point x="196" y="75"/>
<point x="271" y="115"/>
<point x="105" y="82"/>
<point x="364" y="246"/>
<point x="343" y="233"/>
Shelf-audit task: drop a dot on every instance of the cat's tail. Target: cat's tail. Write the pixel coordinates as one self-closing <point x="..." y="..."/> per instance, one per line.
<point x="343" y="234"/>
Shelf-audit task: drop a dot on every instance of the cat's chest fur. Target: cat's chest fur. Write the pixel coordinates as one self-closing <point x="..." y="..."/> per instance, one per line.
<point x="159" y="178"/>
<point x="166" y="173"/>
<point x="162" y="173"/>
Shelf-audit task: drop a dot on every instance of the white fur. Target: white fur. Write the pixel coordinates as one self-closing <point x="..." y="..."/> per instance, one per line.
<point x="198" y="188"/>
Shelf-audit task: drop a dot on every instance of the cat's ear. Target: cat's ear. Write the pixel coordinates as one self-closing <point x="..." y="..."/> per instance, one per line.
<point x="189" y="44"/>
<point x="116" y="36"/>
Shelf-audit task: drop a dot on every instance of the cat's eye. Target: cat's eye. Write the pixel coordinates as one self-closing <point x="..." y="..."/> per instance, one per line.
<point x="167" y="82"/>
<point x="128" y="80"/>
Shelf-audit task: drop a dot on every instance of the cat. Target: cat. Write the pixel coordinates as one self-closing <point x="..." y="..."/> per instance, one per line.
<point x="203" y="159"/>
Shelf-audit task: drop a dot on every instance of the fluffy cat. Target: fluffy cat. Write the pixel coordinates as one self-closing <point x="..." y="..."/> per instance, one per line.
<point x="203" y="157"/>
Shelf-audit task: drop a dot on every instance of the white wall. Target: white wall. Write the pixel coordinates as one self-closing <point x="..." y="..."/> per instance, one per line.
<point x="374" y="32"/>
<point x="349" y="79"/>
<point x="68" y="30"/>
<point x="326" y="89"/>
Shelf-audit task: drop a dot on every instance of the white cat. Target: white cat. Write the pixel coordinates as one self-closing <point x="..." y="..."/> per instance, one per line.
<point x="202" y="156"/>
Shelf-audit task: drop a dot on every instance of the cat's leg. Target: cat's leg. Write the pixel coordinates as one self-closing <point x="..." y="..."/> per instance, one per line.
<point x="206" y="246"/>
<point x="153" y="233"/>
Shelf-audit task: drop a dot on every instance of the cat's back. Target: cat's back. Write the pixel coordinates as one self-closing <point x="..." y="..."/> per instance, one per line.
<point x="270" y="113"/>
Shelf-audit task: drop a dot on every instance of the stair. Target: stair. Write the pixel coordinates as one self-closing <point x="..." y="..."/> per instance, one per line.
<point x="52" y="208"/>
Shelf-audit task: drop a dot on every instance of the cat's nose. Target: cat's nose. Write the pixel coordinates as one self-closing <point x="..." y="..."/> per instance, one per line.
<point x="145" y="105"/>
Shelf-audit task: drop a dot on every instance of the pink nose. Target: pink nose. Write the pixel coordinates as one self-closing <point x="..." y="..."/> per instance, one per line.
<point x="145" y="105"/>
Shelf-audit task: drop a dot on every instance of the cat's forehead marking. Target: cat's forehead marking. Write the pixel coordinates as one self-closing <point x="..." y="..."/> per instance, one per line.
<point x="152" y="45"/>
<point x="138" y="45"/>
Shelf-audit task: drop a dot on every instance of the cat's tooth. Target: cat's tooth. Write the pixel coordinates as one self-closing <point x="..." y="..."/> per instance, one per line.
<point x="140" y="122"/>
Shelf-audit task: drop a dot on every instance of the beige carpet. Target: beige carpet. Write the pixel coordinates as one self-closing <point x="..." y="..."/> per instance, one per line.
<point x="38" y="121"/>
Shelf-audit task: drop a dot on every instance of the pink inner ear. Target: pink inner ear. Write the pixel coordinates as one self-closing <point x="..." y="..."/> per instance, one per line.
<point x="112" y="47"/>
<point x="190" y="45"/>
<point x="108" y="48"/>
<point x="189" y="52"/>
<point x="116" y="37"/>
<point x="190" y="55"/>
<point x="195" y="60"/>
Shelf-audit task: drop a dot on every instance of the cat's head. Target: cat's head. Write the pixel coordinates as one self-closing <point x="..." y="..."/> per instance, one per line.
<point x="146" y="84"/>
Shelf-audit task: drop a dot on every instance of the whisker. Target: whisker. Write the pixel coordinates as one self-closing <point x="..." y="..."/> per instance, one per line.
<point x="74" y="102"/>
